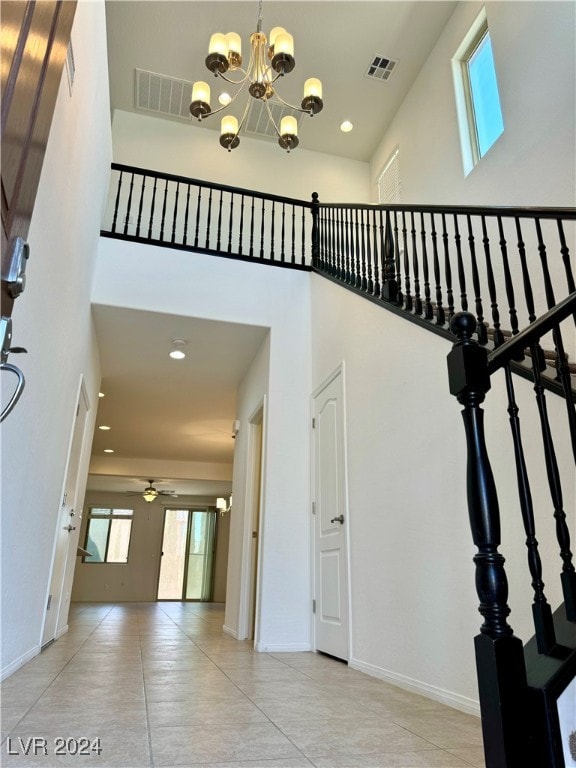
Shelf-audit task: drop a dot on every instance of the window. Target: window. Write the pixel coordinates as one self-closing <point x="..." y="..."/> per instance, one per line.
<point x="477" y="100"/>
<point x="389" y="180"/>
<point x="108" y="535"/>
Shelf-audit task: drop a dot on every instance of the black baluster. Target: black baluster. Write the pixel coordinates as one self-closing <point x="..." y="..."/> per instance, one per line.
<point x="209" y="219"/>
<point x="164" y="202"/>
<point x="408" y="305"/>
<point x="565" y="251"/>
<point x="140" y="206"/>
<point x="440" y="315"/>
<point x="415" y="267"/>
<point x="428" y="308"/>
<point x="508" y="280"/>
<point x="198" y="204"/>
<point x="186" y="214"/>
<point x="498" y="335"/>
<point x="337" y="250"/>
<point x="241" y="231"/>
<point x="482" y="331"/>
<point x="461" y="272"/>
<point x="397" y="262"/>
<point x="499" y="654"/>
<point x="175" y="213"/>
<point x="151" y="222"/>
<point x="230" y="222"/>
<point x="282" y="232"/>
<point x="389" y="283"/>
<point x="541" y="611"/>
<point x="327" y="228"/>
<point x="116" y="204"/>
<point x="568" y="575"/>
<point x="377" y="287"/>
<point x="273" y="222"/>
<point x="370" y="284"/>
<point x="564" y="376"/>
<point x="219" y="224"/>
<point x="447" y="269"/>
<point x="303" y="228"/>
<point x="357" y="269"/>
<point x="348" y="251"/>
<point x="293" y="240"/>
<point x="127" y="217"/>
<point x="251" y="248"/>
<point x="525" y="275"/>
<point x="363" y="281"/>
<point x="544" y="262"/>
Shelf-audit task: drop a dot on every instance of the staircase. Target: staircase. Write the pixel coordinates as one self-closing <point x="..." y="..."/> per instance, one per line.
<point x="487" y="280"/>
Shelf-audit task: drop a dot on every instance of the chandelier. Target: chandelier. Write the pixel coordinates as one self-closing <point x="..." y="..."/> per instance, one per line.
<point x="269" y="60"/>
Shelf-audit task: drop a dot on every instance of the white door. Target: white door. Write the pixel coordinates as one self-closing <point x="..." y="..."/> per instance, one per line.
<point x="330" y="520"/>
<point x="67" y="532"/>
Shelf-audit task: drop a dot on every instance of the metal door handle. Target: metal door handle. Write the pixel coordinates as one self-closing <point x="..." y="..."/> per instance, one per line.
<point x="69" y="528"/>
<point x="17" y="392"/>
<point x="339" y="519"/>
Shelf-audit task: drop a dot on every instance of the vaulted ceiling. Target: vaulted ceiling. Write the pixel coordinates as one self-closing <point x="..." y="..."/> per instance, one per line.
<point x="160" y="410"/>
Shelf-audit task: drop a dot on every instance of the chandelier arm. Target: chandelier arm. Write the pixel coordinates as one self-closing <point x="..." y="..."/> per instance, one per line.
<point x="272" y="119"/>
<point x="226" y="106"/>
<point x="291" y="106"/>
<point x="241" y="123"/>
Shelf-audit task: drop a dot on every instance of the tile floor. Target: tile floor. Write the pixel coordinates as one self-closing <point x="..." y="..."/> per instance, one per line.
<point x="160" y="684"/>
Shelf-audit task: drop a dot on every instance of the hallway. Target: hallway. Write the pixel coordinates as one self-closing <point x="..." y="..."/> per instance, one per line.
<point x="160" y="684"/>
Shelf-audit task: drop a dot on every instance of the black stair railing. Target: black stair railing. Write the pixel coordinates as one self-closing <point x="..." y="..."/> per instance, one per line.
<point x="179" y="212"/>
<point x="501" y="264"/>
<point x="518" y="688"/>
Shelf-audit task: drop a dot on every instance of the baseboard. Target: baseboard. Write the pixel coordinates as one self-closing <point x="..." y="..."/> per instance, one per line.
<point x="454" y="700"/>
<point x="15" y="665"/>
<point x="230" y="631"/>
<point x="282" y="648"/>
<point x="61" y="632"/>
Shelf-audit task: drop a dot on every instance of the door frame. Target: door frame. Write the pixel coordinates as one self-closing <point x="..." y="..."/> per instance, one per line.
<point x="254" y="505"/>
<point x="76" y="450"/>
<point x="340" y="370"/>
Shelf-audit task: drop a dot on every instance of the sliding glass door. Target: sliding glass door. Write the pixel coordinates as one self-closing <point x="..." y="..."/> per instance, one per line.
<point x="187" y="562"/>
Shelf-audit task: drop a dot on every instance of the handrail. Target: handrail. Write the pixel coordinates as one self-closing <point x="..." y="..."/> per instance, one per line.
<point x="209" y="184"/>
<point x="532" y="334"/>
<point x="546" y="212"/>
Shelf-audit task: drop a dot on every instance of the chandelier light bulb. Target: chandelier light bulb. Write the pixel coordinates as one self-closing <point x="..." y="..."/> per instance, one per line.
<point x="274" y="34"/>
<point x="284" y="43"/>
<point x="219" y="44"/>
<point x="313" y="87"/>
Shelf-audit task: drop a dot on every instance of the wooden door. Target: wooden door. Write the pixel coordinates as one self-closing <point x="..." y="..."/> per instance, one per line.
<point x="35" y="37"/>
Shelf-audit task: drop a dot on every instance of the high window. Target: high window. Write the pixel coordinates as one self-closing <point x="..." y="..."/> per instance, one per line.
<point x="389" y="188"/>
<point x="477" y="100"/>
<point x="108" y="535"/>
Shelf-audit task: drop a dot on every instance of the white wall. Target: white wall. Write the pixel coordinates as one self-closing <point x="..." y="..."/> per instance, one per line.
<point x="533" y="161"/>
<point x="414" y="605"/>
<point x="52" y="320"/>
<point x="186" y="150"/>
<point x="272" y="297"/>
<point x="137" y="580"/>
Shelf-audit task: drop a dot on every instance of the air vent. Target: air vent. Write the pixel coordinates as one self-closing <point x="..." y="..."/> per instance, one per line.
<point x="163" y="94"/>
<point x="258" y="123"/>
<point x="381" y="68"/>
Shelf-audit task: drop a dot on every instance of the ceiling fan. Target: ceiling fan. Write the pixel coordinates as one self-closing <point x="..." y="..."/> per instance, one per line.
<point x="150" y="492"/>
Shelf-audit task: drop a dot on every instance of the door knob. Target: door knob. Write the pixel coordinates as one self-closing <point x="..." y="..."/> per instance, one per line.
<point x="339" y="519"/>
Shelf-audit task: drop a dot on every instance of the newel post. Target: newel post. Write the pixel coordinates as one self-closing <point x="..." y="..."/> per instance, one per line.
<point x="389" y="281"/>
<point x="499" y="654"/>
<point x="315" y="229"/>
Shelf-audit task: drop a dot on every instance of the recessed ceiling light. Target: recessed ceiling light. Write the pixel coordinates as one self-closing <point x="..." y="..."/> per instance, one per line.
<point x="346" y="126"/>
<point x="177" y="351"/>
<point x="101" y="394"/>
<point x="108" y="450"/>
<point x="224" y="99"/>
<point x="103" y="427"/>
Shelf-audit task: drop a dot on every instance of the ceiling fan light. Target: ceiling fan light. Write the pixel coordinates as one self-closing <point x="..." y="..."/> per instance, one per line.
<point x="150" y="494"/>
